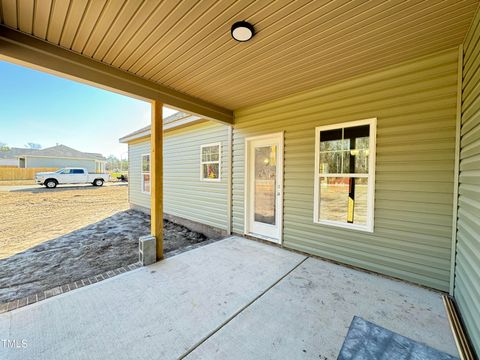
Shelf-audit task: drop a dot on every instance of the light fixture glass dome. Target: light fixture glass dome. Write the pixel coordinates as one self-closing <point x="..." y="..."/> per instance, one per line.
<point x="242" y="31"/>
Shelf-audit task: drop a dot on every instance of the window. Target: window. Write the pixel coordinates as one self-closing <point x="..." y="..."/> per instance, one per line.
<point x="345" y="174"/>
<point x="210" y="162"/>
<point x="146" y="173"/>
<point x="77" y="171"/>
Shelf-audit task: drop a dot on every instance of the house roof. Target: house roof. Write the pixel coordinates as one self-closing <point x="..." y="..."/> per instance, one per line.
<point x="14" y="152"/>
<point x="173" y="121"/>
<point x="299" y="45"/>
<point x="54" y="151"/>
<point x="66" y="151"/>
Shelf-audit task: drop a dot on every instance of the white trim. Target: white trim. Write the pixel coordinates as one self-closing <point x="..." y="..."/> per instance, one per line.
<point x="280" y="179"/>
<point x="138" y="135"/>
<point x="182" y="121"/>
<point x="456" y="174"/>
<point x="202" y="178"/>
<point x="142" y="180"/>
<point x="372" y="122"/>
<point x="229" y="178"/>
<point x="141" y="133"/>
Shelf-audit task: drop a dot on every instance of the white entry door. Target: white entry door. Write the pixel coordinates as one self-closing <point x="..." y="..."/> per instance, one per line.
<point x="264" y="187"/>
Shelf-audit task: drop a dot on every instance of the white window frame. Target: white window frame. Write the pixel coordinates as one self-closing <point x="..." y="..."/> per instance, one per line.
<point x="219" y="144"/>
<point x="369" y="226"/>
<point x="142" y="180"/>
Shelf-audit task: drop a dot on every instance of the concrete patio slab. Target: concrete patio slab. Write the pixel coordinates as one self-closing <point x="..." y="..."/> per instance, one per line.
<point x="233" y="299"/>
<point x="307" y="315"/>
<point x="156" y="312"/>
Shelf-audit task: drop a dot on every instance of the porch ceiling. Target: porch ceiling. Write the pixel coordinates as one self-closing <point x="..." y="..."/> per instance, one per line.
<point x="186" y="45"/>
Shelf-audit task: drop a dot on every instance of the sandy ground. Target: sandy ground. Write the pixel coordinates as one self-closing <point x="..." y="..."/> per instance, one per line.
<point x="31" y="217"/>
<point x="94" y="249"/>
<point x="54" y="237"/>
<point x="16" y="182"/>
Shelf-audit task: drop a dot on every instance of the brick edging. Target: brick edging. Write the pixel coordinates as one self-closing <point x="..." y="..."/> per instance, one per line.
<point x="42" y="295"/>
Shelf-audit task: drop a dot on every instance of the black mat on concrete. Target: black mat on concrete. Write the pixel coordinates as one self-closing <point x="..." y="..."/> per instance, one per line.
<point x="367" y="341"/>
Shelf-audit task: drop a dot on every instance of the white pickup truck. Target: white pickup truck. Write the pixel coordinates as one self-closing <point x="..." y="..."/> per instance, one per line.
<point x="69" y="176"/>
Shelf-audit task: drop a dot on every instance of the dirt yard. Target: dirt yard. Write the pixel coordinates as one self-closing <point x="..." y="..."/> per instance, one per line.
<point x="30" y="217"/>
<point x="92" y="250"/>
<point x="52" y="238"/>
<point x="16" y="182"/>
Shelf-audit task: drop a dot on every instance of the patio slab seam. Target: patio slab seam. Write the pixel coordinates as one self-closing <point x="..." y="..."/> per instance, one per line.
<point x="238" y="312"/>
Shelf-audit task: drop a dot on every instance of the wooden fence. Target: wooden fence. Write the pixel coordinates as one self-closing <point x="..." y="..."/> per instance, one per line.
<point x="12" y="173"/>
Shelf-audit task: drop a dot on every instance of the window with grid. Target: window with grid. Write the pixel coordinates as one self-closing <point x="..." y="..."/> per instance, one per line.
<point x="210" y="162"/>
<point x="344" y="174"/>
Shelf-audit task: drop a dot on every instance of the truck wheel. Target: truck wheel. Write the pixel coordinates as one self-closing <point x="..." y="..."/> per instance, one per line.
<point x="98" y="182"/>
<point x="51" y="183"/>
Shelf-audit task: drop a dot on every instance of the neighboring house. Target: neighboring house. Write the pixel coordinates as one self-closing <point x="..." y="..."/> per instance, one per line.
<point x="58" y="156"/>
<point x="195" y="189"/>
<point x="10" y="157"/>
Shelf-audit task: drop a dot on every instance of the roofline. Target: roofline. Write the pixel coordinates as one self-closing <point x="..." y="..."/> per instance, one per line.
<point x="59" y="157"/>
<point x="168" y="124"/>
<point x="145" y="131"/>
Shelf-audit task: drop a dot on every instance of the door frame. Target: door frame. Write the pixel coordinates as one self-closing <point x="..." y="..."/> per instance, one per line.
<point x="280" y="165"/>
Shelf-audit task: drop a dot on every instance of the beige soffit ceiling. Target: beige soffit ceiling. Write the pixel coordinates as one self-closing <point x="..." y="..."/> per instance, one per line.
<point x="186" y="45"/>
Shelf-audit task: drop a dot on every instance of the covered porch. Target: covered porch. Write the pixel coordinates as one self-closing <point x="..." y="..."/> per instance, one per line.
<point x="234" y="299"/>
<point x="410" y="67"/>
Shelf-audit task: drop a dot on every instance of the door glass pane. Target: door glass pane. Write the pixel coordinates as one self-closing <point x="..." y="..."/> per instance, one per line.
<point x="265" y="183"/>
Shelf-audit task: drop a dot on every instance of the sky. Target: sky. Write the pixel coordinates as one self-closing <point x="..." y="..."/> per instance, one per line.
<point x="37" y="107"/>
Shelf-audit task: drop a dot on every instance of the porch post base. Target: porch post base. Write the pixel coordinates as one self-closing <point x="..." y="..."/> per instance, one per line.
<point x="147" y="250"/>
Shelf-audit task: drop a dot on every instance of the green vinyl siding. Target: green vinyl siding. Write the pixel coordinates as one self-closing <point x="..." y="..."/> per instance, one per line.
<point x="415" y="104"/>
<point x="467" y="270"/>
<point x="135" y="194"/>
<point x="184" y="194"/>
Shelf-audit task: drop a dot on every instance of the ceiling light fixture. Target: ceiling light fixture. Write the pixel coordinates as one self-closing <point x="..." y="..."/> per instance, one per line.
<point x="242" y="31"/>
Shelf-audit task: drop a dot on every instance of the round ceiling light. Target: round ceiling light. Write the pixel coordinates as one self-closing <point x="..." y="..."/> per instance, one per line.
<point x="242" y="31"/>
